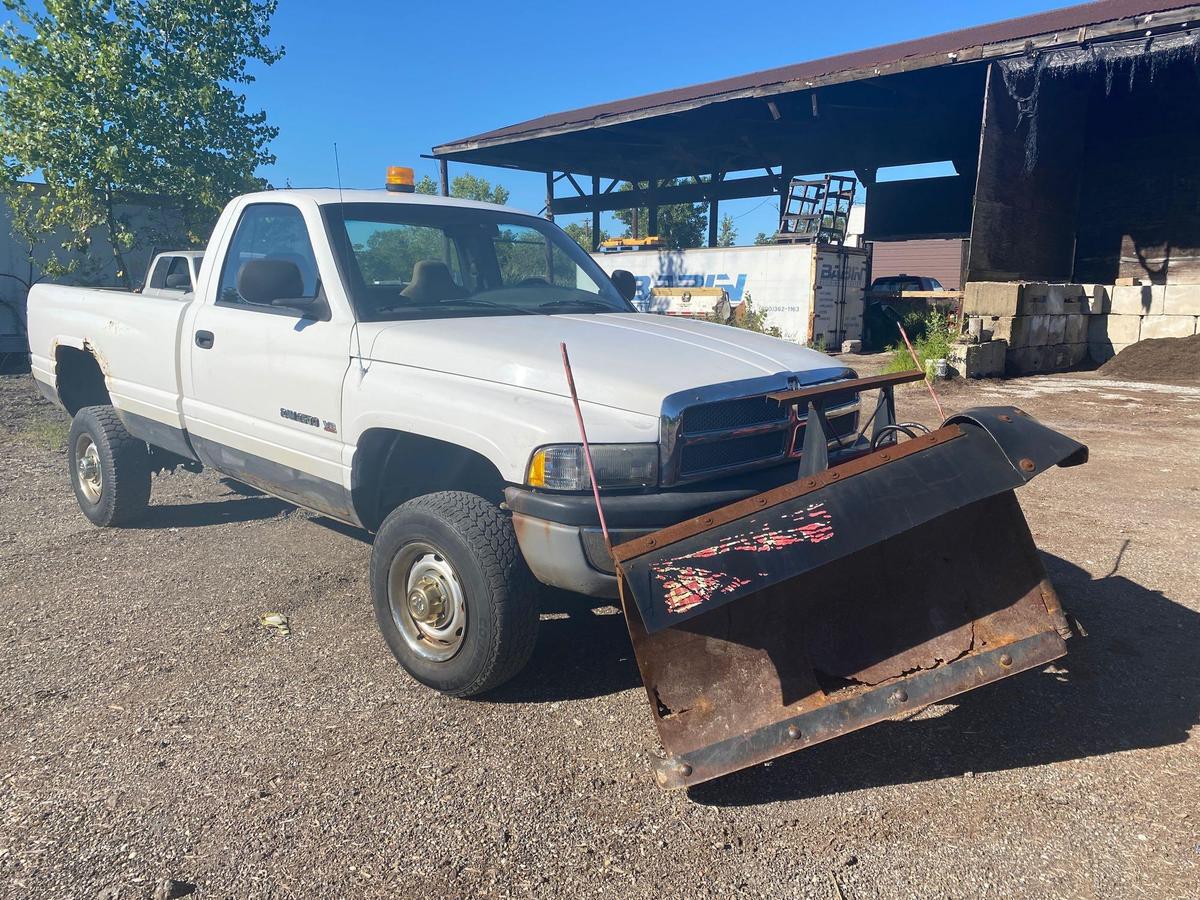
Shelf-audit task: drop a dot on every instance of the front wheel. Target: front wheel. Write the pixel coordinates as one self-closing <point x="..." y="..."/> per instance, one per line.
<point x="452" y="595"/>
<point x="110" y="469"/>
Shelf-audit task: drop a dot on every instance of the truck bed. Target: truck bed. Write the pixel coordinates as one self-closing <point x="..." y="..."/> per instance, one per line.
<point x="134" y="338"/>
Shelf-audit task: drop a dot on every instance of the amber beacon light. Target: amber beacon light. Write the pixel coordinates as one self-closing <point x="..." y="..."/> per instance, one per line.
<point x="400" y="178"/>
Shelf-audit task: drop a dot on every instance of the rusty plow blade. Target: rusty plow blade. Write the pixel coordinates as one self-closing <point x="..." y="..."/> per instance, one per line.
<point x="854" y="595"/>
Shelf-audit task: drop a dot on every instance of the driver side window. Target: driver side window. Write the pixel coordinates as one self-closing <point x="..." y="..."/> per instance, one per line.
<point x="268" y="231"/>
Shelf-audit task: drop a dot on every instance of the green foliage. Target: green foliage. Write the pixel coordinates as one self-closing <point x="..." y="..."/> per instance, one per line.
<point x="469" y="187"/>
<point x="932" y="335"/>
<point x="47" y="432"/>
<point x="466" y="187"/>
<point x="111" y="100"/>
<point x="680" y="225"/>
<point x="727" y="236"/>
<point x="763" y="238"/>
<point x="581" y="233"/>
<point x="751" y="319"/>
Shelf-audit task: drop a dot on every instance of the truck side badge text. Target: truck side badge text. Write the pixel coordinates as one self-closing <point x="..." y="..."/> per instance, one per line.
<point x="305" y="419"/>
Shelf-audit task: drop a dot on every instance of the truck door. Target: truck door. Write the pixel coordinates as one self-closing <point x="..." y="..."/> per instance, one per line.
<point x="264" y="405"/>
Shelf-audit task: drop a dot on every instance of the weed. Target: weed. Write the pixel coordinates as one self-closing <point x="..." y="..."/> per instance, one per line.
<point x="751" y="319"/>
<point x="932" y="336"/>
<point x="47" y="433"/>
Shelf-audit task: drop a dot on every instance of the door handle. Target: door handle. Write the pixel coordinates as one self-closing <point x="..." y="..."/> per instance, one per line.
<point x="204" y="340"/>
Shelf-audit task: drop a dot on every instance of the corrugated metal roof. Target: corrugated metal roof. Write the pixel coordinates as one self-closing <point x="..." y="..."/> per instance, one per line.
<point x="1068" y="19"/>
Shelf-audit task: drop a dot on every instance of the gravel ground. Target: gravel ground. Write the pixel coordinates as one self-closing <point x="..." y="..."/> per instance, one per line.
<point x="151" y="729"/>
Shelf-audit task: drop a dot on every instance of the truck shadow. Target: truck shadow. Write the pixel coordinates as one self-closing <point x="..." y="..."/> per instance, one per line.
<point x="212" y="512"/>
<point x="1133" y="683"/>
<point x="582" y="651"/>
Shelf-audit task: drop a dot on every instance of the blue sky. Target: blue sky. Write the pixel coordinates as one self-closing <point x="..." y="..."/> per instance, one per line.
<point x="387" y="81"/>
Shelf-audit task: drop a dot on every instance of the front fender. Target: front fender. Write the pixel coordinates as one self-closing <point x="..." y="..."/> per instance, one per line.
<point x="502" y="423"/>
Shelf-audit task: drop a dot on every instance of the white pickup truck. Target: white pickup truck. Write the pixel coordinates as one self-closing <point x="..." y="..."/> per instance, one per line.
<point x="391" y="360"/>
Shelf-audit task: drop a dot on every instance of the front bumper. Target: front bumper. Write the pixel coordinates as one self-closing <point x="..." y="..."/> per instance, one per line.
<point x="560" y="534"/>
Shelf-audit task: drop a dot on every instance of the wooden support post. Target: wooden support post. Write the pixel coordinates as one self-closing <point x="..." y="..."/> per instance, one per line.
<point x="444" y="176"/>
<point x="595" y="213"/>
<point x="785" y="188"/>
<point x="712" y="211"/>
<point x="636" y="226"/>
<point x="652" y="223"/>
<point x="550" y="196"/>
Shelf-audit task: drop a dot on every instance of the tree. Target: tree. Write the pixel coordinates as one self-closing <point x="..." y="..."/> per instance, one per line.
<point x="467" y="187"/>
<point x="763" y="238"/>
<point x="728" y="235"/>
<point x="680" y="225"/>
<point x="112" y="100"/>
<point x="581" y="233"/>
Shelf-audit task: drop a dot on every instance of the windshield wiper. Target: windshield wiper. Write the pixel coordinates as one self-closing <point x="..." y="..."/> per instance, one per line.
<point x="476" y="301"/>
<point x="586" y="304"/>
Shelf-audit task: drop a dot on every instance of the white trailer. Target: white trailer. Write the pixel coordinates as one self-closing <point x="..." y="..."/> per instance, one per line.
<point x="812" y="294"/>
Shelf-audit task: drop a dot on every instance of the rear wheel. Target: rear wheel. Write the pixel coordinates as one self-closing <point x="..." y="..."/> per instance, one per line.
<point x="452" y="595"/>
<point x="109" y="468"/>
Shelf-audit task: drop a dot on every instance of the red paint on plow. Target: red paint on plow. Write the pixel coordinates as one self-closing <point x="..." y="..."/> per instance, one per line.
<point x="686" y="587"/>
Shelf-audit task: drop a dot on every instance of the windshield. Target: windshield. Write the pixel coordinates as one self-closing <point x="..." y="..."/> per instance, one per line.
<point x="406" y="261"/>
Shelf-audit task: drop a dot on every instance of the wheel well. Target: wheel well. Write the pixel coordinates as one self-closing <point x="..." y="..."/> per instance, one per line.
<point x="80" y="380"/>
<point x="391" y="467"/>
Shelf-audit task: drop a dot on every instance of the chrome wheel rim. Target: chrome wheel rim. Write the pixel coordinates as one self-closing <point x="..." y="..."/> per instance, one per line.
<point x="427" y="602"/>
<point x="88" y="469"/>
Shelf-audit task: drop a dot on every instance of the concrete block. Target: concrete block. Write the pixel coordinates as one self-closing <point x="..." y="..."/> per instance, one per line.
<point x="1115" y="329"/>
<point x="992" y="298"/>
<point x="1138" y="300"/>
<point x="1076" y="328"/>
<point x="1041" y="298"/>
<point x="984" y="360"/>
<point x="1047" y="358"/>
<point x="1167" y="326"/>
<point x="1097" y="299"/>
<point x="1103" y="351"/>
<point x="1056" y="329"/>
<point x="1182" y="300"/>
<point x="852" y="346"/>
<point x="1016" y="331"/>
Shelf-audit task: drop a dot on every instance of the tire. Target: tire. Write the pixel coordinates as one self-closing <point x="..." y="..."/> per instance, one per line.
<point x="109" y="469"/>
<point x="481" y="621"/>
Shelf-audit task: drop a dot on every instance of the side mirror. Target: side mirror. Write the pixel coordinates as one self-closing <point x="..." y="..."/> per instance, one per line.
<point x="625" y="283"/>
<point x="178" y="282"/>
<point x="273" y="282"/>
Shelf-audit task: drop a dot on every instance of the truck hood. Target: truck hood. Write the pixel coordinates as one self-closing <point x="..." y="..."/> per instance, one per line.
<point x="628" y="361"/>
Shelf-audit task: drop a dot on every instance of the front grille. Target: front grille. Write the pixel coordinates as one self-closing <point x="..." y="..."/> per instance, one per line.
<point x="724" y="436"/>
<point x="738" y="451"/>
<point x="839" y="427"/>
<point x="741" y="413"/>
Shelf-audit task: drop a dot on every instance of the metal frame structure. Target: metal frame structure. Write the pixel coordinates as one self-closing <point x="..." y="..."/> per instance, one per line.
<point x="933" y="99"/>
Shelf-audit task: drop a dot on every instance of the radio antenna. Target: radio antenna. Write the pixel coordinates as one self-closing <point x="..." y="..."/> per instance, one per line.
<point x="337" y="167"/>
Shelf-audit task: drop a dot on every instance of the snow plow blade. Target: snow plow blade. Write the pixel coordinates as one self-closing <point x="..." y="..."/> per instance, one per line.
<point x="856" y="594"/>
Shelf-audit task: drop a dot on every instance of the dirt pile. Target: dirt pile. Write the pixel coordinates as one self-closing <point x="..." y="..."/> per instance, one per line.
<point x="1173" y="360"/>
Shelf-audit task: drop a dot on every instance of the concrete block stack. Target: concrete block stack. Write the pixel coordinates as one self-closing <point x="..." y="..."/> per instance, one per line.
<point x="1044" y="326"/>
<point x="1142" y="311"/>
<point x="1052" y="327"/>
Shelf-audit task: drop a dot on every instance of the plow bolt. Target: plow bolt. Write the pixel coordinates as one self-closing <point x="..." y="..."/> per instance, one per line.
<point x="900" y="696"/>
<point x="794" y="732"/>
<point x="1005" y="660"/>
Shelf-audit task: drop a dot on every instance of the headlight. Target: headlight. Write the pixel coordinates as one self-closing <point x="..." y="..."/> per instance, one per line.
<point x="562" y="467"/>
